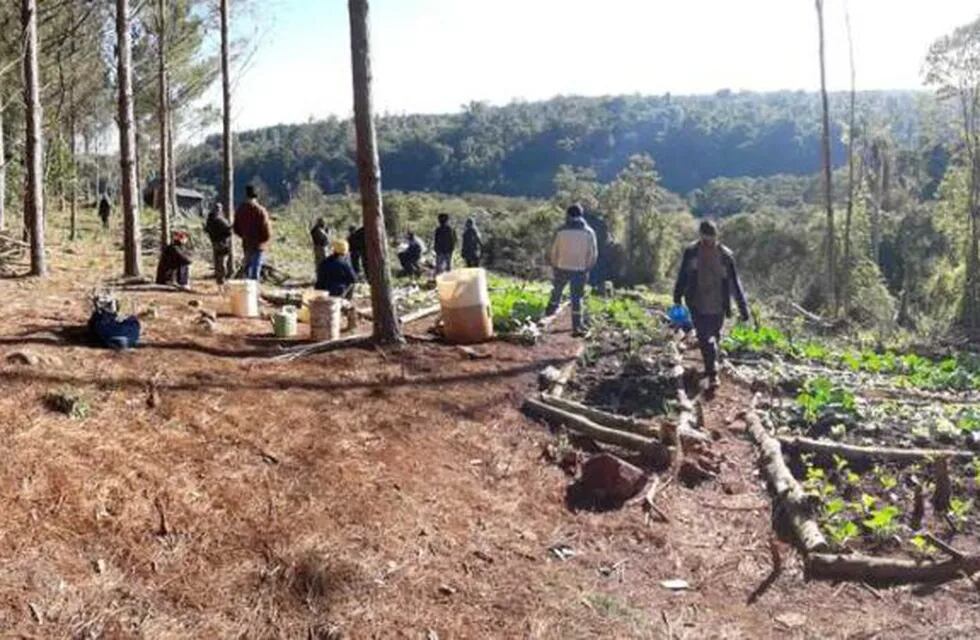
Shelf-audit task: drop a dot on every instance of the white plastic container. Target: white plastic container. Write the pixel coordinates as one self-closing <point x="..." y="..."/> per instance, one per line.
<point x="325" y="318"/>
<point x="243" y="298"/>
<point x="304" y="311"/>
<point x="465" y="303"/>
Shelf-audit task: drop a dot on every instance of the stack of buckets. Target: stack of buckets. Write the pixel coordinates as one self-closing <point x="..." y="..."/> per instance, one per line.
<point x="465" y="304"/>
<point x="244" y="298"/>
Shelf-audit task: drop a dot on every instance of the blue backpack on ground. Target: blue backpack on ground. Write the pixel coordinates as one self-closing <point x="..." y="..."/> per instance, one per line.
<point x="105" y="328"/>
<point x="680" y="317"/>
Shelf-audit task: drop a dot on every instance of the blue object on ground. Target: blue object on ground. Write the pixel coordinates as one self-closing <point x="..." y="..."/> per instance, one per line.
<point x="109" y="331"/>
<point x="680" y="317"/>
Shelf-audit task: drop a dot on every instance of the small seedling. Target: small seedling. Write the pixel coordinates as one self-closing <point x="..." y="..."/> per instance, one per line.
<point x="69" y="402"/>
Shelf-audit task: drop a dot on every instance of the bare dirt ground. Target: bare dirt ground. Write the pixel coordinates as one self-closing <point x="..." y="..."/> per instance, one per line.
<point x="210" y="494"/>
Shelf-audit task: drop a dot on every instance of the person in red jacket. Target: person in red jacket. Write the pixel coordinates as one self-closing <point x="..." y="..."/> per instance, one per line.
<point x="252" y="225"/>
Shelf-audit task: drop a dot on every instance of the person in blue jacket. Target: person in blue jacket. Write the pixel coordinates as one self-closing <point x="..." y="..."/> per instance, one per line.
<point x="334" y="274"/>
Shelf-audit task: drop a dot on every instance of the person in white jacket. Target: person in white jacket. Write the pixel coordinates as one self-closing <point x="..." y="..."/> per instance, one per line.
<point x="573" y="254"/>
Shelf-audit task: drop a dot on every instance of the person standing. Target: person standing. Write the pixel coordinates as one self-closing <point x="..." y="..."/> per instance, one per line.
<point x="105" y="210"/>
<point x="444" y="244"/>
<point x="218" y="230"/>
<point x="321" y="238"/>
<point x="252" y="225"/>
<point x="573" y="254"/>
<point x="472" y="244"/>
<point x="358" y="245"/>
<point x="707" y="281"/>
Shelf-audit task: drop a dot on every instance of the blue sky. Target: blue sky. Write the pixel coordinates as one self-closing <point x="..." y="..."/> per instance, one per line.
<point x="436" y="55"/>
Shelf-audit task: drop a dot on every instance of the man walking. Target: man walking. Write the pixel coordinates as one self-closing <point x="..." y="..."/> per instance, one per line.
<point x="472" y="244"/>
<point x="444" y="244"/>
<point x="573" y="254"/>
<point x="252" y="225"/>
<point x="105" y="210"/>
<point x="707" y="281"/>
<point x="218" y="230"/>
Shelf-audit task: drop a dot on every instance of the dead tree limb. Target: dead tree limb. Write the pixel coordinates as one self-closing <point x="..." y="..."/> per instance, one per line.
<point x="583" y="426"/>
<point x="788" y="493"/>
<point x="855" y="452"/>
<point x="888" y="570"/>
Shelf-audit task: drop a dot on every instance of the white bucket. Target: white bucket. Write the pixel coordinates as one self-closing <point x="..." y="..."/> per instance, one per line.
<point x="243" y="298"/>
<point x="304" y="311"/>
<point x="465" y="304"/>
<point x="325" y="318"/>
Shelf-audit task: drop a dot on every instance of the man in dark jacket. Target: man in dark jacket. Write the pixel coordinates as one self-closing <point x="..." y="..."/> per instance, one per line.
<point x="411" y="256"/>
<point x="175" y="262"/>
<point x="218" y="230"/>
<point x="105" y="210"/>
<point x="444" y="244"/>
<point x="707" y="281"/>
<point x="253" y="226"/>
<point x="321" y="238"/>
<point x="358" y="245"/>
<point x="334" y="274"/>
<point x="472" y="244"/>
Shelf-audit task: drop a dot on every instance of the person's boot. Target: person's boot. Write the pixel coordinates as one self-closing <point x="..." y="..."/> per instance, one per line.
<point x="713" y="381"/>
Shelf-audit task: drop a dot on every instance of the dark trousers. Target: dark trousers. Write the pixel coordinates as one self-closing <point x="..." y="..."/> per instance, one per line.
<point x="319" y="255"/>
<point x="355" y="261"/>
<point x="444" y="262"/>
<point x="472" y="262"/>
<point x="222" y="265"/>
<point x="410" y="266"/>
<point x="708" y="329"/>
<point x="577" y="279"/>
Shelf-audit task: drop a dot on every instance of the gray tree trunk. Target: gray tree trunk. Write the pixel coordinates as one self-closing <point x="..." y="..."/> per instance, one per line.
<point x="228" y="162"/>
<point x="3" y="171"/>
<point x="163" y="117"/>
<point x="851" y="141"/>
<point x="386" y="324"/>
<point x="127" y="144"/>
<point x="34" y="142"/>
<point x="832" y="288"/>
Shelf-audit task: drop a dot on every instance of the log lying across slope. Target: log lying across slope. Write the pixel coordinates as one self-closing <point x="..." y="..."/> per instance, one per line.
<point x="854" y="452"/>
<point x="788" y="493"/>
<point x="888" y="570"/>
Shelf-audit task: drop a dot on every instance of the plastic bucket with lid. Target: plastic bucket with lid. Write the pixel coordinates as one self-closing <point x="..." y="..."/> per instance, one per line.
<point x="304" y="311"/>
<point x="284" y="323"/>
<point x="325" y="318"/>
<point x="243" y="298"/>
<point x="465" y="304"/>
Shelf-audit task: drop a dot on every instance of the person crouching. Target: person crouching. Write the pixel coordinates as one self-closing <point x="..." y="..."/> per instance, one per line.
<point x="175" y="262"/>
<point x="334" y="274"/>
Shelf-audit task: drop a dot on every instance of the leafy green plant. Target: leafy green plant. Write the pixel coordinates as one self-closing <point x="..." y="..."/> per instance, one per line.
<point x="819" y="394"/>
<point x="841" y="532"/>
<point x="514" y="305"/>
<point x="922" y="545"/>
<point x="882" y="522"/>
<point x="958" y="508"/>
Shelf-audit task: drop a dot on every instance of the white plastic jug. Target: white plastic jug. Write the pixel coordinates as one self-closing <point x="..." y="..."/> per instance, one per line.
<point x="243" y="298"/>
<point x="325" y="318"/>
<point x="465" y="303"/>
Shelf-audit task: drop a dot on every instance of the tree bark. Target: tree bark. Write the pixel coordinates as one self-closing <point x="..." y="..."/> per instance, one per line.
<point x="864" y="454"/>
<point x="832" y="288"/>
<point x="127" y="144"/>
<point x="386" y="325"/>
<point x="73" y="144"/>
<point x="163" y="117"/>
<point x="888" y="570"/>
<point x="34" y="143"/>
<point x="228" y="163"/>
<point x="851" y="138"/>
<point x="3" y="170"/>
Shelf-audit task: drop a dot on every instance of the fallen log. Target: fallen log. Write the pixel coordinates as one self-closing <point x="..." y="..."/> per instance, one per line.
<point x="604" y="418"/>
<point x="425" y="312"/>
<point x="302" y="351"/>
<point x="566" y="373"/>
<point x="855" y="452"/>
<point x="158" y="288"/>
<point x="658" y="452"/>
<point x="788" y="493"/>
<point x="888" y="570"/>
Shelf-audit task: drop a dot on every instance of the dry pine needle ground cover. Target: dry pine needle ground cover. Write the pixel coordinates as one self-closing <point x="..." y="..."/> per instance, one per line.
<point x="201" y="493"/>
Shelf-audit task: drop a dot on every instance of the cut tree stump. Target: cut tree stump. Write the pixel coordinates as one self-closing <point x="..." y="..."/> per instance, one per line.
<point x="789" y="495"/>
<point x="888" y="570"/>
<point x="656" y="450"/>
<point x="855" y="452"/>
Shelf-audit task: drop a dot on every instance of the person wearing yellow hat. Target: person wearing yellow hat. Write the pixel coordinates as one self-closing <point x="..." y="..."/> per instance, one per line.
<point x="335" y="275"/>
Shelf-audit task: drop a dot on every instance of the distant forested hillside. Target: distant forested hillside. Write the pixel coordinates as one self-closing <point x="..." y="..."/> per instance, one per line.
<point x="517" y="149"/>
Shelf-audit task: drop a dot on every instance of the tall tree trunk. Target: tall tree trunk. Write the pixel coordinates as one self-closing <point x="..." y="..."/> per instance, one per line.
<point x="127" y="144"/>
<point x="34" y="143"/>
<point x="3" y="170"/>
<point x="171" y="154"/>
<point x="228" y="163"/>
<point x="73" y="143"/>
<point x="851" y="140"/>
<point x="163" y="117"/>
<point x="832" y="289"/>
<point x="386" y="324"/>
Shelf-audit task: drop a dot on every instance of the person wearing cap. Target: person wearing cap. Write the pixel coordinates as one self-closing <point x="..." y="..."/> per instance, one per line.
<point x="253" y="226"/>
<point x="175" y="262"/>
<point x="444" y="244"/>
<point x="573" y="254"/>
<point x="218" y="230"/>
<point x="472" y="244"/>
<point x="320" y="236"/>
<point x="334" y="274"/>
<point x="707" y="281"/>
